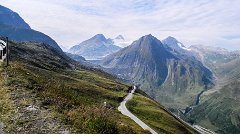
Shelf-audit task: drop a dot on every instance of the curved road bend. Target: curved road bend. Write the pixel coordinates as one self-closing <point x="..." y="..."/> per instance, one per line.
<point x="202" y="130"/>
<point x="123" y="109"/>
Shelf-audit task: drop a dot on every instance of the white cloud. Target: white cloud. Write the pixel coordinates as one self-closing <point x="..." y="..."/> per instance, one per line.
<point x="69" y="22"/>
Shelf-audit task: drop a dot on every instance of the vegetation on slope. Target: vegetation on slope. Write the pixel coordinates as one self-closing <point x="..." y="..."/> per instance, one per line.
<point x="156" y="116"/>
<point x="49" y="96"/>
<point x="219" y="108"/>
<point x="6" y="104"/>
<point x="220" y="112"/>
<point x="43" y="91"/>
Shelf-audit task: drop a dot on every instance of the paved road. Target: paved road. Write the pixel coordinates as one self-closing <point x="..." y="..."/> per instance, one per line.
<point x="123" y="109"/>
<point x="202" y="130"/>
<point x="199" y="129"/>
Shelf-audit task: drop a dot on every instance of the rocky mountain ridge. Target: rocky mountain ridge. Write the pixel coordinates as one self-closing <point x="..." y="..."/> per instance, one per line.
<point x="94" y="48"/>
<point x="170" y="78"/>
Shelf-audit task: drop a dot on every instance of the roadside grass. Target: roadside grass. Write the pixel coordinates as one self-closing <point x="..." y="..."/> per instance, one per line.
<point x="155" y="116"/>
<point x="76" y="97"/>
<point x="7" y="107"/>
<point x="71" y="93"/>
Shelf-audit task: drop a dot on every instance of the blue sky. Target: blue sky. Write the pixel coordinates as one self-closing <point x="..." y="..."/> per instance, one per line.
<point x="207" y="22"/>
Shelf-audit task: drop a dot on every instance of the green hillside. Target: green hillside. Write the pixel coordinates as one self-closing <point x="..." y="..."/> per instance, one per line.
<point x="43" y="91"/>
<point x="156" y="116"/>
<point x="219" y="108"/>
<point x="220" y="112"/>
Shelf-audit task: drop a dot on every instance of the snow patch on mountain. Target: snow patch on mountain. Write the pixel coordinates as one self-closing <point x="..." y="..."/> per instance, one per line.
<point x="183" y="47"/>
<point x="174" y="44"/>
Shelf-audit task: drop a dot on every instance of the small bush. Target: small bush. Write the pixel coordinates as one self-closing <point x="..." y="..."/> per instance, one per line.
<point x="102" y="125"/>
<point x="95" y="120"/>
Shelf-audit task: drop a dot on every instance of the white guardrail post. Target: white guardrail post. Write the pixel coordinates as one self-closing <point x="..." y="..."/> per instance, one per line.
<point x="4" y="50"/>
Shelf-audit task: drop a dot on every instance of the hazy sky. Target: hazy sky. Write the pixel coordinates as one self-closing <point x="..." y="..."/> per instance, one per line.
<point x="207" y="22"/>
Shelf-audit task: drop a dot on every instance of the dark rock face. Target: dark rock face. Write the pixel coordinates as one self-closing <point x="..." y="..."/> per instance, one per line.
<point x="164" y="74"/>
<point x="140" y="60"/>
<point x="16" y="29"/>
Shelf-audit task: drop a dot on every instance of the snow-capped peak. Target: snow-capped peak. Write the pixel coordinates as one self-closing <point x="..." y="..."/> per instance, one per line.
<point x="119" y="37"/>
<point x="174" y="43"/>
<point x="183" y="47"/>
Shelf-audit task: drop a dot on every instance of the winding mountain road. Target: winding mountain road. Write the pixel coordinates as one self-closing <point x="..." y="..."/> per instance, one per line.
<point x="202" y="130"/>
<point x="123" y="109"/>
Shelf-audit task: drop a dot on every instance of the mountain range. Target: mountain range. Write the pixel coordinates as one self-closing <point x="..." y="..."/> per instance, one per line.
<point x="205" y="80"/>
<point x="169" y="77"/>
<point x="219" y="108"/>
<point x="97" y="47"/>
<point x="45" y="89"/>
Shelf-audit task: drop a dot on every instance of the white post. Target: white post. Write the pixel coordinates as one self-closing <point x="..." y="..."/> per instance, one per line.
<point x="105" y="104"/>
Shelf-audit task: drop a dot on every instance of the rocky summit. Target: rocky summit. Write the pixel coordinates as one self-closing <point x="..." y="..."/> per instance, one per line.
<point x="170" y="78"/>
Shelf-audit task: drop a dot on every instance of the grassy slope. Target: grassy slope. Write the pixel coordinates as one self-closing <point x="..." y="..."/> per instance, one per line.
<point x="220" y="111"/>
<point x="156" y="116"/>
<point x="73" y="97"/>
<point x="6" y="104"/>
<point x="67" y="96"/>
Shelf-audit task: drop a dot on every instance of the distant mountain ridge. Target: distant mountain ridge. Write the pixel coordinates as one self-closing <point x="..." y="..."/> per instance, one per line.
<point x="16" y="29"/>
<point x="174" y="44"/>
<point x="8" y="17"/>
<point x="120" y="37"/>
<point x="166" y="75"/>
<point x="96" y="47"/>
